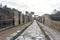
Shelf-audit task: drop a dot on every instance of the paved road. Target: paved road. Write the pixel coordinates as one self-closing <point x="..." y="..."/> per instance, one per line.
<point x="33" y="32"/>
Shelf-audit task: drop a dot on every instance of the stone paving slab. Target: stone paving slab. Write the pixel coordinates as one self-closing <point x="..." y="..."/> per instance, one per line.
<point x="6" y="33"/>
<point x="33" y="32"/>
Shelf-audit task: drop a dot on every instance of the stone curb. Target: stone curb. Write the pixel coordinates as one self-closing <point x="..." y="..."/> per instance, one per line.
<point x="48" y="37"/>
<point x="3" y="29"/>
<point x="19" y="33"/>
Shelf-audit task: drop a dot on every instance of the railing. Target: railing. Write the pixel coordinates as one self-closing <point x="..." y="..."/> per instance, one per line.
<point x="5" y="23"/>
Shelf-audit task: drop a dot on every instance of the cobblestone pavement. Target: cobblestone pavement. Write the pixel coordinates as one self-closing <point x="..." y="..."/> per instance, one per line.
<point x="10" y="31"/>
<point x="33" y="32"/>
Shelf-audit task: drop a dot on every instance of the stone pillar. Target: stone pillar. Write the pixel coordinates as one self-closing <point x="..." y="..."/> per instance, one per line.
<point x="25" y="19"/>
<point x="16" y="18"/>
<point x="27" y="14"/>
<point x="30" y="17"/>
<point x="21" y="18"/>
<point x="32" y="13"/>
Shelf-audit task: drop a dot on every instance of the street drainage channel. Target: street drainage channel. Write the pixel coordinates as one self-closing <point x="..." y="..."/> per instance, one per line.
<point x="47" y="36"/>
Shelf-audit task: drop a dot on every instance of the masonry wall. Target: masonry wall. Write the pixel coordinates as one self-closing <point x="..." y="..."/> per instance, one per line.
<point x="51" y="23"/>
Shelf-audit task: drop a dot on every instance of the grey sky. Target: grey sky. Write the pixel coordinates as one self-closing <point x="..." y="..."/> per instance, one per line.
<point x="38" y="6"/>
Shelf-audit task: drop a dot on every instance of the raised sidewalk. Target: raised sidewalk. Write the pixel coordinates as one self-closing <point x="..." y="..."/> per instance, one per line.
<point x="52" y="33"/>
<point x="6" y="33"/>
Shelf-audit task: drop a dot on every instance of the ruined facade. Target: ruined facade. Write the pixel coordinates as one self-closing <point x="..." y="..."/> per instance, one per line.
<point x="46" y="20"/>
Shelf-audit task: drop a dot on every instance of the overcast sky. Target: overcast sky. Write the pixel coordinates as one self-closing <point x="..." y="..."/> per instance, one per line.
<point x="38" y="6"/>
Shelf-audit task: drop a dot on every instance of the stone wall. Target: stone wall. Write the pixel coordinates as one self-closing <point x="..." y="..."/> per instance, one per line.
<point x="51" y="23"/>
